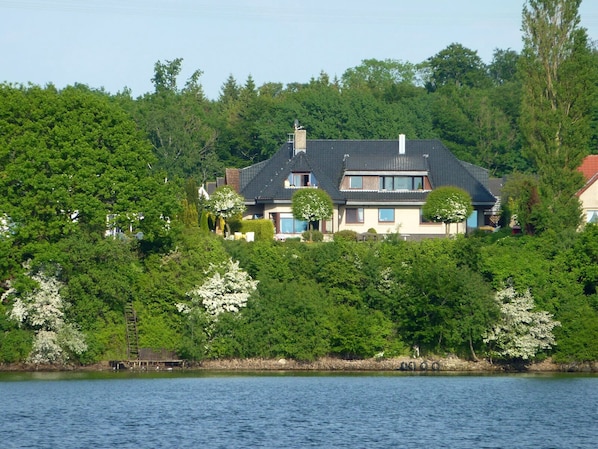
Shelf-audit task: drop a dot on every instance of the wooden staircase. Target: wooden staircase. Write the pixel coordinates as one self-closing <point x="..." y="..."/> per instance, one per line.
<point x="132" y="337"/>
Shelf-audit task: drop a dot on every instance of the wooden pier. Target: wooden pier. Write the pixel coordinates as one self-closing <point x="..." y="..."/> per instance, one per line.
<point x="149" y="360"/>
<point x="146" y="365"/>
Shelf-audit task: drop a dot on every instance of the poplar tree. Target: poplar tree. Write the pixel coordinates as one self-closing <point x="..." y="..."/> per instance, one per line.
<point x="558" y="90"/>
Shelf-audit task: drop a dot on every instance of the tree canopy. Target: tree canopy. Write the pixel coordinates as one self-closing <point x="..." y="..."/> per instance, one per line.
<point x="77" y="162"/>
<point x="312" y="205"/>
<point x="225" y="203"/>
<point x="70" y="158"/>
<point x="447" y="205"/>
<point x="559" y="88"/>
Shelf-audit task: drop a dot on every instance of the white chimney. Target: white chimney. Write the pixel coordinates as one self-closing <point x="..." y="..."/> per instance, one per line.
<point x="401" y="143"/>
<point x="300" y="138"/>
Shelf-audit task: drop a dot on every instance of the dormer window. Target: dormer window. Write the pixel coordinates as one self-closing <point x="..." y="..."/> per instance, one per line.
<point x="356" y="182"/>
<point x="301" y="179"/>
<point x="401" y="182"/>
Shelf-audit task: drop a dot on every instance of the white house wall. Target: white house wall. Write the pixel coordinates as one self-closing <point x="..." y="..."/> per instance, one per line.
<point x="407" y="222"/>
<point x="589" y="199"/>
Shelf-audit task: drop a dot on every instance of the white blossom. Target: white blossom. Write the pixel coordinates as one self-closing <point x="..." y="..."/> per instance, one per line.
<point x="310" y="205"/>
<point x="43" y="307"/>
<point x="453" y="211"/>
<point x="226" y="291"/>
<point x="6" y="225"/>
<point x="43" y="311"/>
<point x="45" y="348"/>
<point x="226" y="203"/>
<point x="520" y="332"/>
<point x="182" y="308"/>
<point x="386" y="282"/>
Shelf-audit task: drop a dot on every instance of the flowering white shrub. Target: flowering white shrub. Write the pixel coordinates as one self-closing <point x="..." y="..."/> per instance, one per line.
<point x="387" y="281"/>
<point x="45" y="348"/>
<point x="520" y="332"/>
<point x="227" y="290"/>
<point x="454" y="210"/>
<point x="6" y="225"/>
<point x="447" y="205"/>
<point x="311" y="205"/>
<point x="226" y="203"/>
<point x="43" y="311"/>
<point x="41" y="308"/>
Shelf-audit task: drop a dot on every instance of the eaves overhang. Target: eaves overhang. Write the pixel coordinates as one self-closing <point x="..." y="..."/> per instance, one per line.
<point x="384" y="173"/>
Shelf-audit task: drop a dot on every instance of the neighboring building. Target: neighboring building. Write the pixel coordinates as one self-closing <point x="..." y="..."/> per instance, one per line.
<point x="588" y="194"/>
<point x="379" y="184"/>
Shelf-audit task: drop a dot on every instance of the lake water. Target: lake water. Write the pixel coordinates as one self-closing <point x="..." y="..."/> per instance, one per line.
<point x="289" y="410"/>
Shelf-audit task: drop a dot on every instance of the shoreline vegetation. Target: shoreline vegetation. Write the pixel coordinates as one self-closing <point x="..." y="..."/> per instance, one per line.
<point x="449" y="364"/>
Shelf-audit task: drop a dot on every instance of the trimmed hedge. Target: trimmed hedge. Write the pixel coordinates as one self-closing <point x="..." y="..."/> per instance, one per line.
<point x="263" y="229"/>
<point x="345" y="235"/>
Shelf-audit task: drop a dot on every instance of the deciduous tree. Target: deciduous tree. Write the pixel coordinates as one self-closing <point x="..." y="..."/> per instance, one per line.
<point x="312" y="205"/>
<point x="458" y="66"/>
<point x="559" y="85"/>
<point x="176" y="122"/>
<point x="520" y="332"/>
<point x="43" y="310"/>
<point x="227" y="290"/>
<point x="225" y="203"/>
<point x="224" y="292"/>
<point x="448" y="205"/>
<point x="69" y="159"/>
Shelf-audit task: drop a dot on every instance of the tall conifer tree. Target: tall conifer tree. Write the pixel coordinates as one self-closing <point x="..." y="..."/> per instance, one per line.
<point x="558" y="89"/>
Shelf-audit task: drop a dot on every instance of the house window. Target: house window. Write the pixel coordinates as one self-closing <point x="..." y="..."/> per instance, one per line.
<point x="401" y="182"/>
<point x="418" y="182"/>
<point x="386" y="215"/>
<point x="472" y="220"/>
<point x="302" y="179"/>
<point x="290" y="225"/>
<point x="424" y="220"/>
<point x="386" y="183"/>
<point x="592" y="216"/>
<point x="354" y="214"/>
<point x="355" y="182"/>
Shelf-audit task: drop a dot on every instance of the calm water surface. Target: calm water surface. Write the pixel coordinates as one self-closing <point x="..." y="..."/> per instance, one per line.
<point x="58" y="411"/>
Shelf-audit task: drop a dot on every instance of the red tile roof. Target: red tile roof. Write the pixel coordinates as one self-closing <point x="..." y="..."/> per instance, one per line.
<point x="589" y="166"/>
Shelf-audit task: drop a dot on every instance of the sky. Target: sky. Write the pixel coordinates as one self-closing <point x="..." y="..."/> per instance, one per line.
<point x="113" y="44"/>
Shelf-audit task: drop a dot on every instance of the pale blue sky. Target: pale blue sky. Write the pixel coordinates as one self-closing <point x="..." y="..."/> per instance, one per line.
<point x="115" y="43"/>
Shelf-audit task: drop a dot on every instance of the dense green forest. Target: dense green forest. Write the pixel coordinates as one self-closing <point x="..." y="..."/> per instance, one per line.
<point x="76" y="162"/>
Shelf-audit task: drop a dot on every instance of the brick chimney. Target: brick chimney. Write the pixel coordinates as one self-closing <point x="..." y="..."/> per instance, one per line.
<point x="231" y="178"/>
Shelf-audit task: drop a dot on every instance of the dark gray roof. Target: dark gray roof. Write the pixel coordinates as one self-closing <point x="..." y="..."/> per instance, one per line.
<point x="380" y="163"/>
<point x="328" y="159"/>
<point x="495" y="186"/>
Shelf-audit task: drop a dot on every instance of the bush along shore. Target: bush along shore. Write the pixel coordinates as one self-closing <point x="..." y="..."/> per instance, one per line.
<point x="449" y="364"/>
<point x="495" y="297"/>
